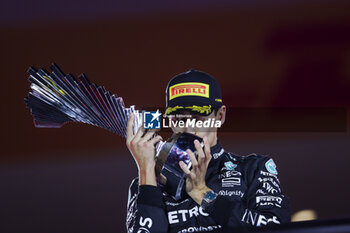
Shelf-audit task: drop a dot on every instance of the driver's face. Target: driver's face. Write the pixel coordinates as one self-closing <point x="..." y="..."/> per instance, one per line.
<point x="200" y="132"/>
<point x="210" y="133"/>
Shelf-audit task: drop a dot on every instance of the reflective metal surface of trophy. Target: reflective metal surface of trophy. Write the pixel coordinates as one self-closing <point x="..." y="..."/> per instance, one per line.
<point x="167" y="166"/>
<point x="57" y="98"/>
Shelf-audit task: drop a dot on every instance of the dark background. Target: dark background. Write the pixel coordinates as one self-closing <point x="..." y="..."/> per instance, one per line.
<point x="264" y="53"/>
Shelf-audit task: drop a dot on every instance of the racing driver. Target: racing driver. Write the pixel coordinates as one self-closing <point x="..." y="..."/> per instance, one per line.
<point x="224" y="190"/>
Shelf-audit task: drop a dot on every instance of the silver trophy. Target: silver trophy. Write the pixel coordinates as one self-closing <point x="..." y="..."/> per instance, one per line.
<point x="57" y="98"/>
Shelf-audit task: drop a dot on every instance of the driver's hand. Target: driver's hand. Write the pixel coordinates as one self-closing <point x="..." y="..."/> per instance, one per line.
<point x="142" y="148"/>
<point x="195" y="182"/>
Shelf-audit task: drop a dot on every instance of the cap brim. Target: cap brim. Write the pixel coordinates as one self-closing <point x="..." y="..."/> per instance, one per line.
<point x="203" y="110"/>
